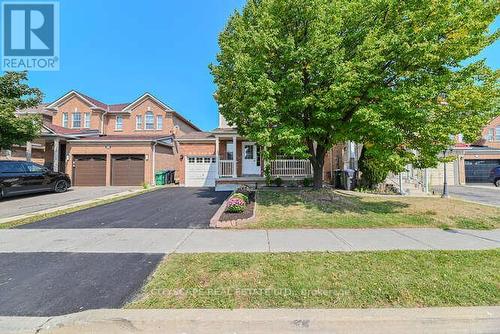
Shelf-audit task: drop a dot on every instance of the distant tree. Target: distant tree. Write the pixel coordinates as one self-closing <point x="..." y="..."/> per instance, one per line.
<point x="15" y="95"/>
<point x="305" y="75"/>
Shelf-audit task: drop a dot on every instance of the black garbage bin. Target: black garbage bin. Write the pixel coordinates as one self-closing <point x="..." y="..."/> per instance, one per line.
<point x="169" y="177"/>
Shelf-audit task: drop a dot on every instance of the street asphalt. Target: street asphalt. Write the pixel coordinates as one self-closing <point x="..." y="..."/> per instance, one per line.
<point x="48" y="284"/>
<point x="480" y="193"/>
<point x="165" y="208"/>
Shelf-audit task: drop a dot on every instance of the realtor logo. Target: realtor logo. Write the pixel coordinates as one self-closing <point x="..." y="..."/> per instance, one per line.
<point x="30" y="32"/>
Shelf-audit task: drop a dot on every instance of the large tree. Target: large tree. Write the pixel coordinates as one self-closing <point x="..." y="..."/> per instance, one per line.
<point x="303" y="75"/>
<point x="15" y="94"/>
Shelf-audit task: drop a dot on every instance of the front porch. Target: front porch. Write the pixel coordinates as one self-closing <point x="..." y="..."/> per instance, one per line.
<point x="239" y="161"/>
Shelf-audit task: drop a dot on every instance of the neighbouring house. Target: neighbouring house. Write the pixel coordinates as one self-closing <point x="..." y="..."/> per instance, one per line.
<point x="99" y="144"/>
<point x="472" y="164"/>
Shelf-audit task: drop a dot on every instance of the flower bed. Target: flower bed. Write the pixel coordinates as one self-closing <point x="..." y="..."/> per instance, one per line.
<point x="238" y="208"/>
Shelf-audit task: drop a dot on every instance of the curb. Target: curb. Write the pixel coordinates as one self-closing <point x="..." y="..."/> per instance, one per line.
<point x="482" y="319"/>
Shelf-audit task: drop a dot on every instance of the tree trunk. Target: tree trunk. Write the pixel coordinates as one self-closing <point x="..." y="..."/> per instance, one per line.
<point x="317" y="158"/>
<point x="317" y="165"/>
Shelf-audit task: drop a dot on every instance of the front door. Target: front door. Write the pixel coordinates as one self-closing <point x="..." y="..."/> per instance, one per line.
<point x="250" y="161"/>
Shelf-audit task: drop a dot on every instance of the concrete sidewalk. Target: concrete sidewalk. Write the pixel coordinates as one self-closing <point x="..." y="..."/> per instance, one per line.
<point x="168" y="241"/>
<point x="373" y="321"/>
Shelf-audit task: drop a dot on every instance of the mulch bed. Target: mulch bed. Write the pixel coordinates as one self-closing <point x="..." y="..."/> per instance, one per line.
<point x="228" y="216"/>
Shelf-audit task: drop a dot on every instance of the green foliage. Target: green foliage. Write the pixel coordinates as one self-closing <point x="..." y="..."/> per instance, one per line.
<point x="235" y="205"/>
<point x="241" y="196"/>
<point x="374" y="167"/>
<point x="16" y="95"/>
<point x="300" y="76"/>
<point x="307" y="182"/>
<point x="278" y="182"/>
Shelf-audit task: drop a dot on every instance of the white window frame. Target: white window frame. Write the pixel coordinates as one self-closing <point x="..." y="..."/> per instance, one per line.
<point x="497" y="133"/>
<point x="74" y="120"/>
<point x="229" y="150"/>
<point x="490" y="134"/>
<point x="118" y="124"/>
<point x="65" y="119"/>
<point x="159" y="122"/>
<point x="149" y="125"/>
<point x="138" y="122"/>
<point x="86" y="120"/>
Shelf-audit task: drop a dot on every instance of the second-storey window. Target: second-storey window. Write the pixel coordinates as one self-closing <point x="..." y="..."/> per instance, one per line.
<point x="497" y="133"/>
<point x="65" y="119"/>
<point x="489" y="134"/>
<point x="77" y="120"/>
<point x="159" y="122"/>
<point x="138" y="122"/>
<point x="119" y="123"/>
<point x="150" y="121"/>
<point x="86" y="120"/>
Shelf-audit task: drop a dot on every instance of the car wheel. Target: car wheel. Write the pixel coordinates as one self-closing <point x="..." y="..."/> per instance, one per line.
<point x="61" y="186"/>
<point x="497" y="183"/>
<point x="1" y="194"/>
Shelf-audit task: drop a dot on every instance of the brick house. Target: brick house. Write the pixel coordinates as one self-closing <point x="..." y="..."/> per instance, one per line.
<point x="100" y="144"/>
<point x="223" y="158"/>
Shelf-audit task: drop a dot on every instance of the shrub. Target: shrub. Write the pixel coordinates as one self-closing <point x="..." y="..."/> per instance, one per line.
<point x="235" y="205"/>
<point x="242" y="196"/>
<point x="278" y="181"/>
<point x="307" y="182"/>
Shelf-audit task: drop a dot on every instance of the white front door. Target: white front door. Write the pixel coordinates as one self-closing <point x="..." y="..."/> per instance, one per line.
<point x="250" y="160"/>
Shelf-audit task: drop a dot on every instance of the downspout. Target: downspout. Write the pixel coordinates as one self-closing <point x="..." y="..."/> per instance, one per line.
<point x="154" y="162"/>
<point x="102" y="122"/>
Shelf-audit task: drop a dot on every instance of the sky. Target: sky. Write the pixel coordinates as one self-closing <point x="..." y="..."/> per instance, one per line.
<point x="116" y="50"/>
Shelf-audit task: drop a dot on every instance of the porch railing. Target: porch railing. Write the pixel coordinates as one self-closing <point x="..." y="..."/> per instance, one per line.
<point x="225" y="168"/>
<point x="291" y="168"/>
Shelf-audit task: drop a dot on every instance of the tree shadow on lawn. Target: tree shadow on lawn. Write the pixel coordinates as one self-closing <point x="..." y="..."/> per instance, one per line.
<point x="329" y="201"/>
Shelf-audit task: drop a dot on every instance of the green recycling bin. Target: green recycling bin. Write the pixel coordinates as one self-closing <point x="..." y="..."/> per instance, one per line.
<point x="160" y="178"/>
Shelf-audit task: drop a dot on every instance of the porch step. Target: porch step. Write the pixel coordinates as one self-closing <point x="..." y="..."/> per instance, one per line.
<point x="226" y="187"/>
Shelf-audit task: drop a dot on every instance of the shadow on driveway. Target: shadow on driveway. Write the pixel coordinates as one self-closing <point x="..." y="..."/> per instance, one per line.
<point x="165" y="208"/>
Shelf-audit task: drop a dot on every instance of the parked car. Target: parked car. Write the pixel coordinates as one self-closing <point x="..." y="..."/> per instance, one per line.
<point x="22" y="177"/>
<point x="495" y="176"/>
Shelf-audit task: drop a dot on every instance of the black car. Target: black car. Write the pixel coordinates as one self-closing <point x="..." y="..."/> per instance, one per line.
<point x="22" y="177"/>
<point x="495" y="176"/>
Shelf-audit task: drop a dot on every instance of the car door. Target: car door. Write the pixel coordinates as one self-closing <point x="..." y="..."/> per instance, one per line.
<point x="37" y="177"/>
<point x="12" y="175"/>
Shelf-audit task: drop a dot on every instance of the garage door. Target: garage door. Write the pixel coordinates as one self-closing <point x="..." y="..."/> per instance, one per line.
<point x="89" y="170"/>
<point x="127" y="170"/>
<point x="477" y="171"/>
<point x="200" y="171"/>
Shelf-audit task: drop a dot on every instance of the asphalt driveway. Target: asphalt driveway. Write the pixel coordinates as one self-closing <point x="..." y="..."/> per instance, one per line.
<point x="20" y="205"/>
<point x="165" y="208"/>
<point x="484" y="193"/>
<point x="47" y="284"/>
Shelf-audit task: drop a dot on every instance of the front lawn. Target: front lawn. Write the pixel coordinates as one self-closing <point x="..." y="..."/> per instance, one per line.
<point x="333" y="209"/>
<point x="324" y="280"/>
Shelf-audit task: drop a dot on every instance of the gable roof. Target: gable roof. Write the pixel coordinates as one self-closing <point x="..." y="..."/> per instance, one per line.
<point x="118" y="107"/>
<point x="93" y="103"/>
<point x="142" y="98"/>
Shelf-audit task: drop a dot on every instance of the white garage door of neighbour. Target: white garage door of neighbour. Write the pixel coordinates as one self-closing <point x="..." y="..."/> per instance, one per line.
<point x="200" y="171"/>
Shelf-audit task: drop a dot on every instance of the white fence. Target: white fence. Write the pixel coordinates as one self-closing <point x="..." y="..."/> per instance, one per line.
<point x="291" y="168"/>
<point x="225" y="168"/>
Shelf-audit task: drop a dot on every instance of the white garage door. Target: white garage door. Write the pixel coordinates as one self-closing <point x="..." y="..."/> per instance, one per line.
<point x="200" y="171"/>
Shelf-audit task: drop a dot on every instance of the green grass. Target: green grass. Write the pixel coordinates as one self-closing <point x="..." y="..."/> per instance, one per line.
<point x="324" y="280"/>
<point x="37" y="217"/>
<point x="333" y="209"/>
